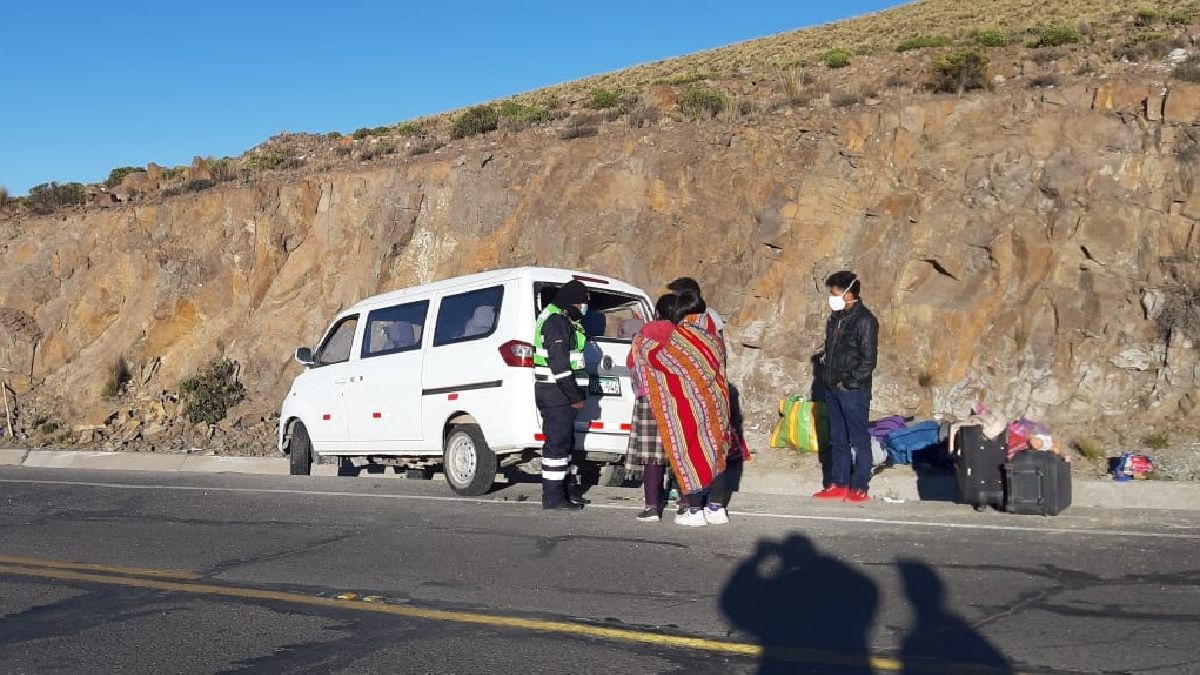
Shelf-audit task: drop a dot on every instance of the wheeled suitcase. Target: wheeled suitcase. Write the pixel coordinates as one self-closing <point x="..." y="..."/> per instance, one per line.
<point x="1039" y="483"/>
<point x="979" y="465"/>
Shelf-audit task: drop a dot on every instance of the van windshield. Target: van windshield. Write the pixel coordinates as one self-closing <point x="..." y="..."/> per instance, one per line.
<point x="611" y="315"/>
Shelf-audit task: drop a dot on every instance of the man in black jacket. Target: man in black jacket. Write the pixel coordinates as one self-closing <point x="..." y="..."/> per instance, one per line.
<point x="851" y="353"/>
<point x="558" y="361"/>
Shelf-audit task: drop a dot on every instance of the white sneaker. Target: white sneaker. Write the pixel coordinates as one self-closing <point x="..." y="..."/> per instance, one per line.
<point x="717" y="516"/>
<point x="691" y="518"/>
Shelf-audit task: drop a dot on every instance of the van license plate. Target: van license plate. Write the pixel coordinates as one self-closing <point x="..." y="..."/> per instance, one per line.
<point x="606" y="386"/>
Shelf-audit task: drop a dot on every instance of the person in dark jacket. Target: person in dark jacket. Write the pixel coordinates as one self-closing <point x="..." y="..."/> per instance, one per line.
<point x="559" y="342"/>
<point x="851" y="353"/>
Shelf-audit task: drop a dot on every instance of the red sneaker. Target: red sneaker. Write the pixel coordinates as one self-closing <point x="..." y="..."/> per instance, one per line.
<point x="857" y="497"/>
<point x="833" y="493"/>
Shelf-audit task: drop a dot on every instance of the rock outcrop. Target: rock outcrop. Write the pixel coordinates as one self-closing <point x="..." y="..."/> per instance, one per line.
<point x="1033" y="248"/>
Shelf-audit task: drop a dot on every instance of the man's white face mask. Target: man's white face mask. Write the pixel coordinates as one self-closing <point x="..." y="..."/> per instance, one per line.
<point x="838" y="302"/>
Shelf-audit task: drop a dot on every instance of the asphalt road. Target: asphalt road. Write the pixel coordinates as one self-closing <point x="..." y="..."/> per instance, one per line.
<point x="144" y="572"/>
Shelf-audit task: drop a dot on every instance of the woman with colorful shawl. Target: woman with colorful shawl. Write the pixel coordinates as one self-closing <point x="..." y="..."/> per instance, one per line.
<point x="683" y="367"/>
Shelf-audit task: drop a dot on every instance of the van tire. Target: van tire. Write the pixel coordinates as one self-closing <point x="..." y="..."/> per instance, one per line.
<point x="469" y="464"/>
<point x="612" y="475"/>
<point x="300" y="451"/>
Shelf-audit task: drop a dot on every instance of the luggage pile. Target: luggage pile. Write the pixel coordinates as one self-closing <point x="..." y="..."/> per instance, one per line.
<point x="1032" y="479"/>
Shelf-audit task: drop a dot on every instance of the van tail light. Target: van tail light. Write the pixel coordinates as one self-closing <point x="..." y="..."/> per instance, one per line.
<point x="587" y="279"/>
<point x="517" y="354"/>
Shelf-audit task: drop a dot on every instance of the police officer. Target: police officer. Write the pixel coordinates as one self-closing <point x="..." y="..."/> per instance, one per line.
<point x="559" y="341"/>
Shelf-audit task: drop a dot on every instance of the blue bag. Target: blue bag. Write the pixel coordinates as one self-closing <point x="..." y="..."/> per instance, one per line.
<point x="903" y="443"/>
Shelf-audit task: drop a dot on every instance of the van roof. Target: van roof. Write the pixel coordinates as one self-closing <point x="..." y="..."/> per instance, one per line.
<point x="547" y="274"/>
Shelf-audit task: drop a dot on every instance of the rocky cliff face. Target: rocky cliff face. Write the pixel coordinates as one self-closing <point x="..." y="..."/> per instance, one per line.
<point x="1034" y="249"/>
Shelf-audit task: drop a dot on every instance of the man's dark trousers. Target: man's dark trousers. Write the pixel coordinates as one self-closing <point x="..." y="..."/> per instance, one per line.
<point x="849" y="413"/>
<point x="558" y="426"/>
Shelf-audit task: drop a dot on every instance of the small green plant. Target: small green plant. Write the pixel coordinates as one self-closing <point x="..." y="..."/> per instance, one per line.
<point x="472" y="121"/>
<point x="377" y="150"/>
<point x="49" y="197"/>
<point x="118" y="174"/>
<point x="1145" y="47"/>
<point x="959" y="71"/>
<point x="1090" y="448"/>
<point x="1179" y="18"/>
<point x="117" y="376"/>
<point x="1057" y="35"/>
<point x="3" y="196"/>
<point x="1046" y="57"/>
<point x="1188" y="71"/>
<point x="222" y="170"/>
<point x="701" y="103"/>
<point x="334" y="135"/>
<point x="836" y="58"/>
<point x="681" y="78"/>
<point x="208" y="395"/>
<point x="1046" y="80"/>
<point x="922" y="42"/>
<point x="992" y="38"/>
<point x="410" y="129"/>
<point x="601" y="99"/>
<point x="925" y="379"/>
<point x="48" y="428"/>
<point x="196" y="185"/>
<point x="265" y="160"/>
<point x="577" y="128"/>
<point x="643" y="116"/>
<point x="424" y="146"/>
<point x="1157" y="441"/>
<point x="1145" y="16"/>
<point x="521" y="115"/>
<point x="845" y="99"/>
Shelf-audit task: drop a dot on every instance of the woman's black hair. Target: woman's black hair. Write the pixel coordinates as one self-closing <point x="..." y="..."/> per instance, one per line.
<point x="689" y="303"/>
<point x="664" y="309"/>
<point x="684" y="284"/>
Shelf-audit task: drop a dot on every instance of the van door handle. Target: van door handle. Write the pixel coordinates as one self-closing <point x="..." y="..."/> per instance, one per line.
<point x="344" y="380"/>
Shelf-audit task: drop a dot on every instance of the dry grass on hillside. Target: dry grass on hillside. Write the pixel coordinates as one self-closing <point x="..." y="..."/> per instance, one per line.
<point x="878" y="32"/>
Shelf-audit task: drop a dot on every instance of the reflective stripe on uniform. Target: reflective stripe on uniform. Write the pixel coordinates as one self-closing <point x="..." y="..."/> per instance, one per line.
<point x="555" y="462"/>
<point x="554" y="475"/>
<point x="563" y="376"/>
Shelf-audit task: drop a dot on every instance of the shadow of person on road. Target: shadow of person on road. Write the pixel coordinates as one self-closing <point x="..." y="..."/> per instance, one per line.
<point x="940" y="636"/>
<point x="816" y="393"/>
<point x="805" y="608"/>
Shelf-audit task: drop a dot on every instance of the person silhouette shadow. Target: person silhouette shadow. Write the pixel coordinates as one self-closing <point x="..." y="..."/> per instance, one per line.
<point x="809" y="611"/>
<point x="816" y="393"/>
<point x="940" y="636"/>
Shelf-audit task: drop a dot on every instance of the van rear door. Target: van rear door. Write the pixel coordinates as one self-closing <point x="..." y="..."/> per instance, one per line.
<point x="612" y="319"/>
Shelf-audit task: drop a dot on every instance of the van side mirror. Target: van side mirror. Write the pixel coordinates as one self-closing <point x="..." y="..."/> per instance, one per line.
<point x="304" y="356"/>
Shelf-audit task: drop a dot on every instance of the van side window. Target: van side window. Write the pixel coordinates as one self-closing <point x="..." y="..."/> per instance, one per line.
<point x="468" y="316"/>
<point x="395" y="329"/>
<point x="337" y="345"/>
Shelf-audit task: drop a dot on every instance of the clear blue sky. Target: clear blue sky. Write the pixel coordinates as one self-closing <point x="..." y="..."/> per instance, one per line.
<point x="88" y="85"/>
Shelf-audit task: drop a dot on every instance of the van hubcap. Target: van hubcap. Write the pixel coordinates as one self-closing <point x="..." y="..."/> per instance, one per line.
<point x="461" y="467"/>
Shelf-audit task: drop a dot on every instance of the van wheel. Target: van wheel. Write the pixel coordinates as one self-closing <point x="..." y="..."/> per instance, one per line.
<point x="300" y="451"/>
<point x="469" y="464"/>
<point x="612" y="475"/>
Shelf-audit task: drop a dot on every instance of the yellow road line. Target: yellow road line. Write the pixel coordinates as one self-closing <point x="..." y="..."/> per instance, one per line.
<point x="95" y="567"/>
<point x="540" y="625"/>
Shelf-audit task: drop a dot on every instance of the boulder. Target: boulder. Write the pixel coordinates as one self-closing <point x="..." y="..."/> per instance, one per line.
<point x="1183" y="103"/>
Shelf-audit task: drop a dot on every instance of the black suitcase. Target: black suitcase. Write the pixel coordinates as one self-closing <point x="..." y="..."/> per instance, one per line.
<point x="1039" y="483"/>
<point x="979" y="465"/>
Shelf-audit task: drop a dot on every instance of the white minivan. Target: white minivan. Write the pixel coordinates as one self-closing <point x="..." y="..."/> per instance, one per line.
<point x="442" y="374"/>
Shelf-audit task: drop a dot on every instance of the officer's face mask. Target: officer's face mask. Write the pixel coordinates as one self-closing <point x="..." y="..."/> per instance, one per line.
<point x="583" y="308"/>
